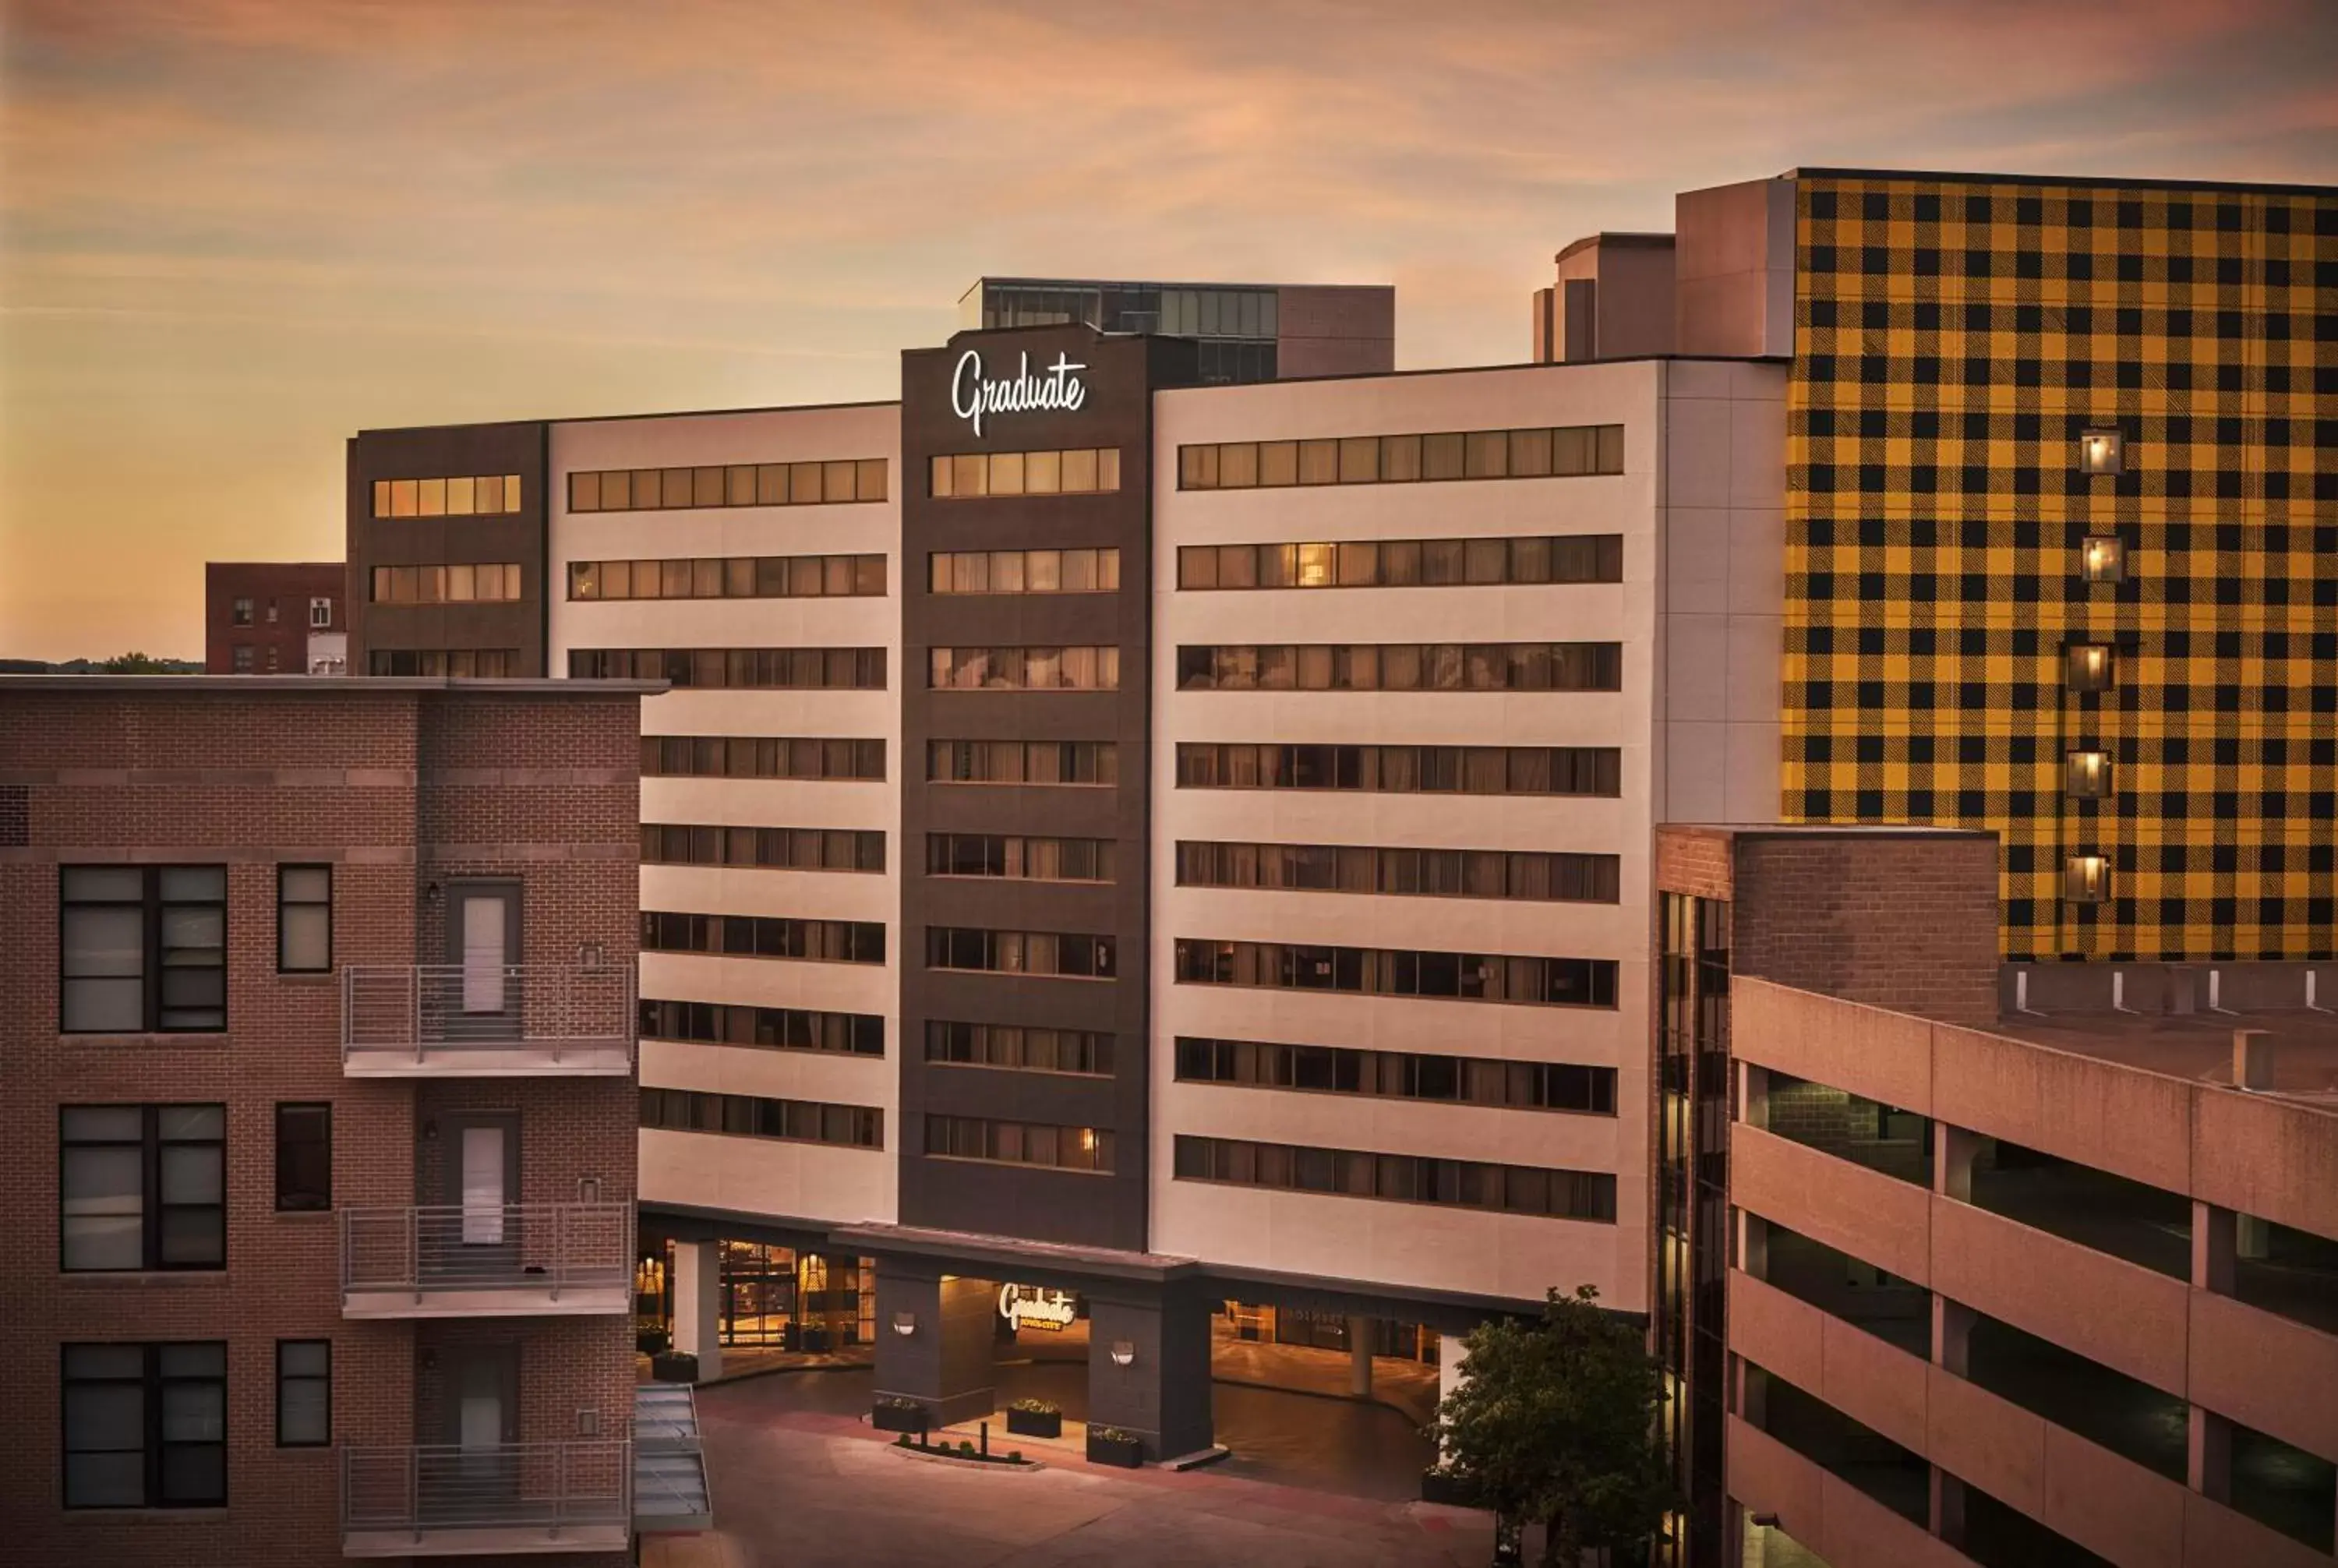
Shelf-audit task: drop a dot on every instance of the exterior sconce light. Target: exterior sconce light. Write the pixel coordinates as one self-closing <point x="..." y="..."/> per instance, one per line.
<point x="2086" y="880"/>
<point x="905" y="1324"/>
<point x="2102" y="452"/>
<point x="2089" y="777"/>
<point x="2090" y="667"/>
<point x="1123" y="1354"/>
<point x="2103" y="559"/>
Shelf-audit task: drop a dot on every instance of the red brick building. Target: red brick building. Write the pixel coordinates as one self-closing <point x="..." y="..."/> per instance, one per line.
<point x="275" y="618"/>
<point x="319" y="1167"/>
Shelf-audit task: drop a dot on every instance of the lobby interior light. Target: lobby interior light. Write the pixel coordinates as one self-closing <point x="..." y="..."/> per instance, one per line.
<point x="1123" y="1354"/>
<point x="2089" y="776"/>
<point x="2103" y="559"/>
<point x="2086" y="880"/>
<point x="2101" y="452"/>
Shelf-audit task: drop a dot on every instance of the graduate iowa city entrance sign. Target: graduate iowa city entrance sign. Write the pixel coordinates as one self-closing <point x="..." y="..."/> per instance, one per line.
<point x="973" y="394"/>
<point x="1029" y="1307"/>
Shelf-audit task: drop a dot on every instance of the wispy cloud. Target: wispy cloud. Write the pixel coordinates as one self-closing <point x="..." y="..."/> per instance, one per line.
<point x="233" y="230"/>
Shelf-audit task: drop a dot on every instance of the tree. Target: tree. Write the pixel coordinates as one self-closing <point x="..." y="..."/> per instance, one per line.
<point x="1557" y="1421"/>
<point x="139" y="664"/>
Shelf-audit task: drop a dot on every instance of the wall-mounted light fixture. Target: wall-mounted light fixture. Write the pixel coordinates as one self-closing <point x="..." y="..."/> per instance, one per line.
<point x="2088" y="776"/>
<point x="2101" y="452"/>
<point x="2103" y="558"/>
<point x="1123" y="1354"/>
<point x="905" y="1324"/>
<point x="2090" y="667"/>
<point x="2086" y="880"/>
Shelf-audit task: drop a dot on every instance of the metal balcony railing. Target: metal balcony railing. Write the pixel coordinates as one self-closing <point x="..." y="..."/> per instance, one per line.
<point x="546" y="1490"/>
<point x="536" y="1248"/>
<point x="418" y="1011"/>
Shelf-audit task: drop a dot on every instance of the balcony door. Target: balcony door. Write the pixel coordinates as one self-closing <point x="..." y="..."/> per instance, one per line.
<point x="484" y="946"/>
<point x="483" y="1187"/>
<point x="476" y="1480"/>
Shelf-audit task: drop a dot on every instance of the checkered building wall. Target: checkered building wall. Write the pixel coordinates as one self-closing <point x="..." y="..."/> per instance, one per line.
<point x="1953" y="339"/>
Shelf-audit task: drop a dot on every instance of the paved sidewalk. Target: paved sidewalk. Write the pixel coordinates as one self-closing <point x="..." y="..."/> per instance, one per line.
<point x="796" y="1488"/>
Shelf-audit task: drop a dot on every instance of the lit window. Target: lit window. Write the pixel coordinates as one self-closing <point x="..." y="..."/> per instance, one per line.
<point x="320" y="612"/>
<point x="2086" y="880"/>
<point x="2103" y="559"/>
<point x="2090" y="667"/>
<point x="2089" y="776"/>
<point x="2101" y="452"/>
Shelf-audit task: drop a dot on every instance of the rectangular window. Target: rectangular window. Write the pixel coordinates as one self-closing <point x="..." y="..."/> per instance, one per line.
<point x="738" y="669"/>
<point x="1538" y="876"/>
<point x="754" y="1116"/>
<point x="304" y="1393"/>
<point x="1068" y="668"/>
<point x="1535" y="1190"/>
<point x="1018" y="856"/>
<point x="770" y="848"/>
<point x="145" y="1425"/>
<point x="1403" y="667"/>
<point x="1061" y="954"/>
<point x="142" y="948"/>
<point x="1399" y="1074"/>
<point x="1024" y="571"/>
<point x="968" y="476"/>
<point x="1019" y="1143"/>
<point x="304" y="1157"/>
<point x="1531" y="453"/>
<point x="239" y="613"/>
<point x="829" y="482"/>
<point x="769" y="1028"/>
<point x="465" y="496"/>
<point x="466" y="664"/>
<point x="764" y="937"/>
<point x="1405" y="563"/>
<point x="732" y="577"/>
<point x="774" y="757"/>
<point x="1016" y="1047"/>
<point x="1046" y="762"/>
<point x="304" y="919"/>
<point x="142" y="1187"/>
<point x="1516" y="979"/>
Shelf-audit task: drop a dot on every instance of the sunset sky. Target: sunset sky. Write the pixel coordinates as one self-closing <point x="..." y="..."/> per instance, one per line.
<point x="234" y="231"/>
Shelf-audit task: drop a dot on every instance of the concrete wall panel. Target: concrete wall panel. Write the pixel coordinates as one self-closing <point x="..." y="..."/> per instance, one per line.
<point x="1871" y="1216"/>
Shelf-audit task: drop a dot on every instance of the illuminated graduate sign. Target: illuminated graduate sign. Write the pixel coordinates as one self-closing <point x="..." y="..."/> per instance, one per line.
<point x="973" y="394"/>
<point x="1029" y="1307"/>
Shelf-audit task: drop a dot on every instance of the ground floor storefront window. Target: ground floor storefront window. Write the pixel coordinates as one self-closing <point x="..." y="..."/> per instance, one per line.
<point x="1253" y="1323"/>
<point x="772" y="1297"/>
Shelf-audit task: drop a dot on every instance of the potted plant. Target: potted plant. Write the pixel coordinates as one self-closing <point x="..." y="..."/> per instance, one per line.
<point x="813" y="1341"/>
<point x="894" y="1414"/>
<point x="1111" y="1445"/>
<point x="651" y="1341"/>
<point x="674" y="1367"/>
<point x="1034" y="1418"/>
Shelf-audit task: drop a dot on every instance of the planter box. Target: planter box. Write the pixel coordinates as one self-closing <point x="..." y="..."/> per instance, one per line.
<point x="895" y="1418"/>
<point x="1035" y="1422"/>
<point x="652" y="1341"/>
<point x="674" y="1367"/>
<point x="813" y="1341"/>
<point x="1128" y="1456"/>
<point x="1444" y="1486"/>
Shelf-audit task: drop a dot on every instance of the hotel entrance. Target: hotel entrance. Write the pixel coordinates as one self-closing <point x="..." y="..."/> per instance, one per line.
<point x="771" y="1297"/>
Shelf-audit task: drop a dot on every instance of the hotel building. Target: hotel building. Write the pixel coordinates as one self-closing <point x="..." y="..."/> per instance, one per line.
<point x="1054" y="878"/>
<point x="321" y="1132"/>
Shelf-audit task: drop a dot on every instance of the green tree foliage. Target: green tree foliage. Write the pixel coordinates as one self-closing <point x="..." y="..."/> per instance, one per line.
<point x="1557" y="1421"/>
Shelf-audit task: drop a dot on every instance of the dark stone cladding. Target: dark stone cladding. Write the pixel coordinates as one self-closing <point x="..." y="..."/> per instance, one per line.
<point x="995" y="1199"/>
<point x="451" y="451"/>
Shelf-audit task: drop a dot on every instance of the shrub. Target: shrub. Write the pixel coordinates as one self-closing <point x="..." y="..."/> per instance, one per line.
<point x="1036" y="1407"/>
<point x="1113" y="1434"/>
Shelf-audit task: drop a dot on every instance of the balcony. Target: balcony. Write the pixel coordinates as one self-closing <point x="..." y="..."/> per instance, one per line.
<point x="487" y="1260"/>
<point x="487" y="1021"/>
<point x="450" y="1501"/>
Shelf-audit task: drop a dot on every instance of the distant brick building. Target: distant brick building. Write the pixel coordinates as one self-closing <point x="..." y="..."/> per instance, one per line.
<point x="274" y="618"/>
<point x="320" y="1156"/>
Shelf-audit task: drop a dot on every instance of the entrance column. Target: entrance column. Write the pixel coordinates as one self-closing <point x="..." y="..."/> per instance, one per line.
<point x="1360" y="1357"/>
<point x="943" y="1361"/>
<point x="1162" y="1394"/>
<point x="698" y="1305"/>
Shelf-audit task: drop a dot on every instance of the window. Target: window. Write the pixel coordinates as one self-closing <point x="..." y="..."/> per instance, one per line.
<point x="769" y="1028"/>
<point x="1399" y="1074"/>
<point x="461" y="663"/>
<point x="320" y="612"/>
<point x="825" y="482"/>
<point x="731" y="577"/>
<point x="764" y="937"/>
<point x="1019" y="1143"/>
<point x="1403" y="667"/>
<point x="1401" y="769"/>
<point x="2102" y="452"/>
<point x="766" y="757"/>
<point x="780" y="848"/>
<point x="969" y="476"/>
<point x="1400" y="1178"/>
<point x="239" y="613"/>
<point x="142" y="1187"/>
<point x="240" y="658"/>
<point x="1080" y="669"/>
<point x="1061" y="954"/>
<point x="1047" y="762"/>
<point x="1515" y="874"/>
<point x="483" y="495"/>
<point x="143" y="948"/>
<point x="753" y="1117"/>
<point x="304" y="1157"/>
<point x="1537" y="454"/>
<point x="304" y="919"/>
<point x="275" y="657"/>
<point x="739" y="668"/>
<point x="1398" y="971"/>
<point x="2090" y="667"/>
<point x="145" y="1425"/>
<point x="1014" y="1045"/>
<point x="1023" y="571"/>
<point x="2103" y="558"/>
<point x="1404" y="563"/>
<point x="271" y="611"/>
<point x="304" y="1393"/>
<point x="471" y="583"/>
<point x="1013" y="856"/>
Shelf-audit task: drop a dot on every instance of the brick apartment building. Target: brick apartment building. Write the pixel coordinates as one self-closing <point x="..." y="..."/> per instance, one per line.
<point x="275" y="618"/>
<point x="321" y="1168"/>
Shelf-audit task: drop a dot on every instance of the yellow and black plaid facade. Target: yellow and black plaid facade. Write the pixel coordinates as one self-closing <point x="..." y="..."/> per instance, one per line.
<point x="1953" y="338"/>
